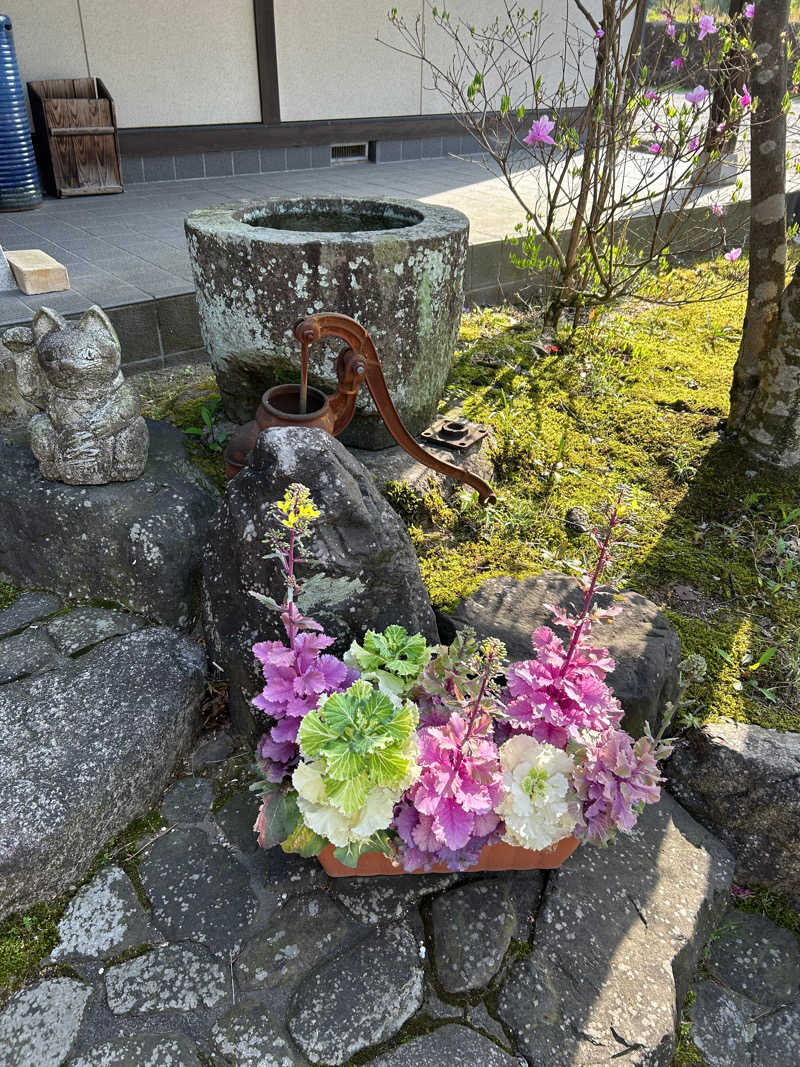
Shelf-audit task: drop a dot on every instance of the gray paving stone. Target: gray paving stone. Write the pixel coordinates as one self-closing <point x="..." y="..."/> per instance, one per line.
<point x="777" y="1038"/>
<point x="236" y="818"/>
<point x="449" y="1045"/>
<point x="478" y="1016"/>
<point x="360" y="998"/>
<point x="30" y="607"/>
<point x="248" y="1037"/>
<point x="722" y="1026"/>
<point x="84" y="627"/>
<point x="174" y="977"/>
<point x="213" y="750"/>
<point x="189" y="800"/>
<point x="144" y="1050"/>
<point x="616" y="943"/>
<point x="30" y="652"/>
<point x="103" y="919"/>
<point x="198" y="891"/>
<point x="472" y="928"/>
<point x="40" y="1024"/>
<point x="382" y="900"/>
<point x="301" y="934"/>
<point x="287" y="874"/>
<point x="756" y="958"/>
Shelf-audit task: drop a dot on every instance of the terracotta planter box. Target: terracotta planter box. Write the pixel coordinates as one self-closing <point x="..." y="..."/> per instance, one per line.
<point x="500" y="857"/>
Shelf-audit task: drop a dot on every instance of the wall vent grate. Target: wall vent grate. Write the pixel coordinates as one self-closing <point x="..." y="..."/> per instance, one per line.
<point x="348" y="153"/>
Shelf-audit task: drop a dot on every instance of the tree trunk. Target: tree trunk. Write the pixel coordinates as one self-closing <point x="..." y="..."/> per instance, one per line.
<point x="768" y="207"/>
<point x="771" y="432"/>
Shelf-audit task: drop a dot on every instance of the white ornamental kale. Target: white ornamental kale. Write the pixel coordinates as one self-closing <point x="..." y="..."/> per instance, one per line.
<point x="540" y="806"/>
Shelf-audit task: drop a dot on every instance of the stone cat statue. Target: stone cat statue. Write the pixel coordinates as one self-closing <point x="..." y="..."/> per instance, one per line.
<point x="89" y="430"/>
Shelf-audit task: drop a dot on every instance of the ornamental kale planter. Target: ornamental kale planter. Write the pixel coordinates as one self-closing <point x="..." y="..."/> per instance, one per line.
<point x="396" y="266"/>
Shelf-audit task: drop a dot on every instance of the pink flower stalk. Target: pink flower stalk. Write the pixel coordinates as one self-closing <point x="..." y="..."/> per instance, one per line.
<point x="678" y="62"/>
<point x="540" y="131"/>
<point x="707" y="26"/>
<point x="745" y="98"/>
<point x="697" y="96"/>
<point x="655" y="148"/>
<point x="717" y="209"/>
<point x="615" y="777"/>
<point x="749" y="11"/>
<point x="733" y="255"/>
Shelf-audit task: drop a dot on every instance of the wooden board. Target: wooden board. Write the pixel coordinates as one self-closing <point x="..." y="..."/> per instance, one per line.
<point x="36" y="272"/>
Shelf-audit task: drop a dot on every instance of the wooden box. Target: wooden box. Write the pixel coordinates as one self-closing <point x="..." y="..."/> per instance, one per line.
<point x="75" y="126"/>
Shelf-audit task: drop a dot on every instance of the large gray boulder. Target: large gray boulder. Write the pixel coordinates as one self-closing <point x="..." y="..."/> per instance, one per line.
<point x="397" y="266"/>
<point x="137" y="543"/>
<point x="743" y="783"/>
<point x="361" y="545"/>
<point x="86" y="748"/>
<point x="616" y="943"/>
<point x="646" y="648"/>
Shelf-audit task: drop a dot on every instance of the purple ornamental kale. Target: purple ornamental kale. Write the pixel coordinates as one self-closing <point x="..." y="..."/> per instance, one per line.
<point x="615" y="780"/>
<point x="448" y="814"/>
<point x="561" y="693"/>
<point x="296" y="678"/>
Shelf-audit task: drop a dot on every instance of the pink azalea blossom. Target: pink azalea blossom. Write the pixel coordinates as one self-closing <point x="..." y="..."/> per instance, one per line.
<point x="745" y="99"/>
<point x="678" y="62"/>
<point x="749" y="11"/>
<point x="694" y="144"/>
<point x="733" y="255"/>
<point x="697" y="96"/>
<point x="706" y="26"/>
<point x="655" y="148"/>
<point x="600" y="34"/>
<point x="717" y="209"/>
<point x="670" y="29"/>
<point x="652" y="96"/>
<point x="540" y="131"/>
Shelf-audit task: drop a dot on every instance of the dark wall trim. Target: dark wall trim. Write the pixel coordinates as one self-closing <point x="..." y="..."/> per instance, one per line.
<point x="181" y="140"/>
<point x="267" y="53"/>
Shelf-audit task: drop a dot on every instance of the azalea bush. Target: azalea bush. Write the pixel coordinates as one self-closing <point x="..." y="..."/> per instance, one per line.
<point x="431" y="754"/>
<point x="606" y="166"/>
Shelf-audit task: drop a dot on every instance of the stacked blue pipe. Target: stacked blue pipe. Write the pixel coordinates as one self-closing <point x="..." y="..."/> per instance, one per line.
<point x="19" y="178"/>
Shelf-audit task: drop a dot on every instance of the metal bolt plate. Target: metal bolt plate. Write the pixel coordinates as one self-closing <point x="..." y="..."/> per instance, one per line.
<point x="458" y="434"/>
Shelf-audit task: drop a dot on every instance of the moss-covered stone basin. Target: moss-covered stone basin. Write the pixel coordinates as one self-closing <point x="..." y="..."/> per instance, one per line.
<point x="397" y="266"/>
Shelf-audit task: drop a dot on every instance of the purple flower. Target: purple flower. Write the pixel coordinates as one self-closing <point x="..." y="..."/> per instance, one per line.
<point x="694" y="144"/>
<point x="540" y="131"/>
<point x="296" y="678"/>
<point x="678" y="62"/>
<point x="670" y="29"/>
<point x="749" y="10"/>
<point x="652" y="96"/>
<point x="706" y="26"/>
<point x="717" y="209"/>
<point x="600" y="34"/>
<point x="697" y="96"/>
<point x="745" y="98"/>
<point x="656" y="148"/>
<point x="739" y="892"/>
<point x="733" y="255"/>
<point x="615" y="777"/>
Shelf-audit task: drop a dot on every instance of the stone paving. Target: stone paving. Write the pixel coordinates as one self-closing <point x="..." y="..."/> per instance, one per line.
<point x="219" y="953"/>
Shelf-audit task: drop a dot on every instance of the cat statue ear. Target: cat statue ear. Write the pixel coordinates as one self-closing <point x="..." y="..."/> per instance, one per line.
<point x="44" y="322"/>
<point x="97" y="322"/>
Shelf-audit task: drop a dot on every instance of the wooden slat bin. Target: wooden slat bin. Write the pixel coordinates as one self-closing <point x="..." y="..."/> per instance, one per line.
<point x="75" y="127"/>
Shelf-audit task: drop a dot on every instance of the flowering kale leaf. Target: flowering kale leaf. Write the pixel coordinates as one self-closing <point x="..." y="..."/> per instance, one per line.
<point x="393" y="659"/>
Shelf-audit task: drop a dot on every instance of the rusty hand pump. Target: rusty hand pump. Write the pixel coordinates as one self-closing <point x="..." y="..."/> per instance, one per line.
<point x="358" y="363"/>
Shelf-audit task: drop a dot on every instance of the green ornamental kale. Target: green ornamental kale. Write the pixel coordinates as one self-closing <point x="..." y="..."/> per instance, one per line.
<point x="393" y="659"/>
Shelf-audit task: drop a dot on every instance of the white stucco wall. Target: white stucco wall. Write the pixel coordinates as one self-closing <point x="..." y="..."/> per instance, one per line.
<point x="165" y="62"/>
<point x="331" y="66"/>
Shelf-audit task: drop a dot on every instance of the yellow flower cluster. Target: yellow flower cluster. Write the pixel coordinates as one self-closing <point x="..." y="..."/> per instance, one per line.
<point x="297" y="507"/>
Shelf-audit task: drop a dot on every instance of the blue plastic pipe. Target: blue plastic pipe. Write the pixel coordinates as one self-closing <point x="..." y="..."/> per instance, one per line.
<point x="19" y="178"/>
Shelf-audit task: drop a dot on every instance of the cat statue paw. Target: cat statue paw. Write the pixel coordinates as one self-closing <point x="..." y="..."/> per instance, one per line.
<point x="89" y="430"/>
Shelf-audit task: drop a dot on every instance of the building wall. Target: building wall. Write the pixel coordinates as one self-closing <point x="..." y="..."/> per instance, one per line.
<point x="165" y="62"/>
